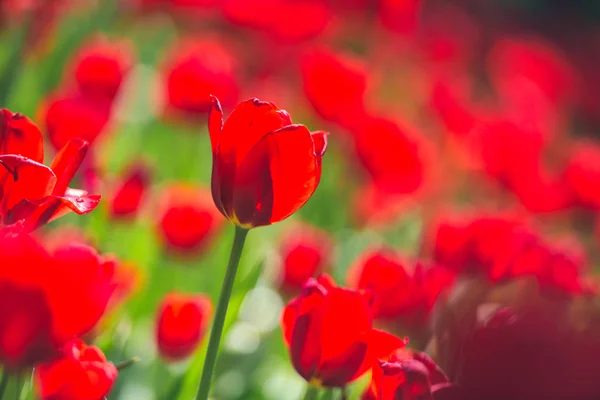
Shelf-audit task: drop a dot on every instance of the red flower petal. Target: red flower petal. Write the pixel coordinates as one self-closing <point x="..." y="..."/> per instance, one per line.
<point x="67" y="162"/>
<point x="215" y="122"/>
<point x="20" y="136"/>
<point x="277" y="177"/>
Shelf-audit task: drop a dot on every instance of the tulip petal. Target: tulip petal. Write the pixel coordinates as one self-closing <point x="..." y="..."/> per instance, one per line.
<point x="320" y="140"/>
<point x="345" y="367"/>
<point x="23" y="179"/>
<point x="215" y="122"/>
<point x="67" y="162"/>
<point x="277" y="177"/>
<point x="249" y="122"/>
<point x="20" y="136"/>
<point x="54" y="207"/>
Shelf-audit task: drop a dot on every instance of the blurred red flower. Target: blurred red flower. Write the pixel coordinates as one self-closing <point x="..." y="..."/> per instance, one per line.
<point x="181" y="324"/>
<point x="329" y="335"/>
<point x="399" y="294"/>
<point x="305" y="252"/>
<point x="81" y="372"/>
<point x="502" y="249"/>
<point x="582" y="174"/>
<point x="48" y="298"/>
<point x="334" y="84"/>
<point x="100" y="67"/>
<point x="405" y="375"/>
<point x="264" y="168"/>
<point x="391" y="157"/>
<point x="197" y="68"/>
<point x="29" y="190"/>
<point x="128" y="196"/>
<point x="527" y="354"/>
<point x="71" y="115"/>
<point x="286" y="21"/>
<point x="187" y="218"/>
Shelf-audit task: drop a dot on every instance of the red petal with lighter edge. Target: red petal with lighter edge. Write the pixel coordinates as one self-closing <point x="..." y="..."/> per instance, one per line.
<point x="67" y="162"/>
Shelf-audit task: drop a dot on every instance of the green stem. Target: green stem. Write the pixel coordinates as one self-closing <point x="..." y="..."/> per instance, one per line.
<point x="3" y="383"/>
<point x="312" y="393"/>
<point x="219" y="322"/>
<point x="10" y="72"/>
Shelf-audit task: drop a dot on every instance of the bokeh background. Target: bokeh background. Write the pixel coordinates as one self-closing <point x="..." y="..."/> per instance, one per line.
<point x="435" y="109"/>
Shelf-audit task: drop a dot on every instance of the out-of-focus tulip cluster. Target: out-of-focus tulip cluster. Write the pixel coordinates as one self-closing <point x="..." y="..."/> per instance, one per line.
<point x="425" y="227"/>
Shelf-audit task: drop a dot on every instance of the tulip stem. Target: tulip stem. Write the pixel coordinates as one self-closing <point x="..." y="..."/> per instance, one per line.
<point x="3" y="383"/>
<point x="312" y="393"/>
<point x="219" y="321"/>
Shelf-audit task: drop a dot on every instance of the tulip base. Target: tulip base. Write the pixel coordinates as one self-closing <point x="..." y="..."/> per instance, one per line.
<point x="221" y="311"/>
<point x="312" y="393"/>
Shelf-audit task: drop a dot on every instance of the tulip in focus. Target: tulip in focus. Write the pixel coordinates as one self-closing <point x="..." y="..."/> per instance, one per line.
<point x="187" y="219"/>
<point x="305" y="252"/>
<point x="81" y="372"/>
<point x="181" y="324"/>
<point x="30" y="191"/>
<point x="328" y="332"/>
<point x="264" y="167"/>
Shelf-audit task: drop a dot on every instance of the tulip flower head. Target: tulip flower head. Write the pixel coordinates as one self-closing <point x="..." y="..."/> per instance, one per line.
<point x="81" y="372"/>
<point x="264" y="167"/>
<point x="181" y="324"/>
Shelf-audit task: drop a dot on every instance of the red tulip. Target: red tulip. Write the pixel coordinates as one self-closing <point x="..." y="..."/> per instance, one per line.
<point x="100" y="67"/>
<point x="399" y="293"/>
<point x="405" y="375"/>
<point x="264" y="168"/>
<point x="391" y="157"/>
<point x="72" y="115"/>
<point x="20" y="136"/>
<point x="181" y="324"/>
<point x="48" y="298"/>
<point x="195" y="69"/>
<point x="29" y="190"/>
<point x="401" y="17"/>
<point x="334" y="84"/>
<point x="529" y="353"/>
<point x="187" y="219"/>
<point x="285" y="21"/>
<point x="329" y="336"/>
<point x="81" y="372"/>
<point x="129" y="195"/>
<point x="305" y="252"/>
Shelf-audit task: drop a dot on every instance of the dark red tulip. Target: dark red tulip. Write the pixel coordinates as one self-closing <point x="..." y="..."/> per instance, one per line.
<point x="81" y="372"/>
<point x="20" y="136"/>
<point x="399" y="293"/>
<point x="329" y="335"/>
<point x="48" y="298"/>
<point x="405" y="375"/>
<point x="401" y="17"/>
<point x="129" y="194"/>
<point x="305" y="252"/>
<point x="264" y="167"/>
<point x="187" y="219"/>
<point x="100" y="67"/>
<point x="334" y="84"/>
<point x="67" y="116"/>
<point x="181" y="324"/>
<point x="195" y="69"/>
<point x="529" y="353"/>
